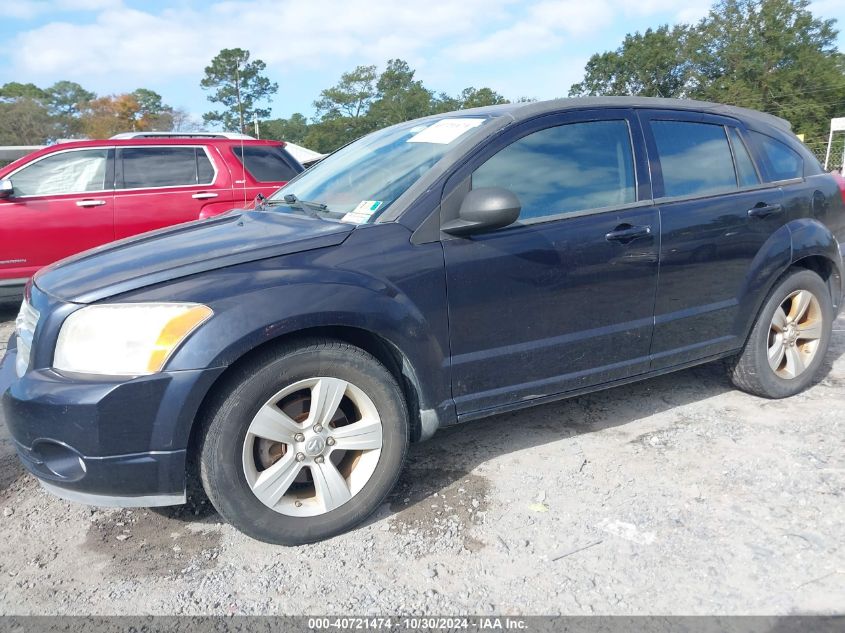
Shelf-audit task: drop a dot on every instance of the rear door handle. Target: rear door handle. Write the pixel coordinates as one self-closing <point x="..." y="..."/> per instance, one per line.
<point x="90" y="203"/>
<point x="762" y="210"/>
<point x="203" y="195"/>
<point x="625" y="233"/>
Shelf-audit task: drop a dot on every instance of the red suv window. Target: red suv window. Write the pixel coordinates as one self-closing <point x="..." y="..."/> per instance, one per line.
<point x="265" y="164"/>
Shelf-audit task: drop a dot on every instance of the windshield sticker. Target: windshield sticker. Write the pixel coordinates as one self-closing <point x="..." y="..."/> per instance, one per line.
<point x="363" y="212"/>
<point x="445" y="131"/>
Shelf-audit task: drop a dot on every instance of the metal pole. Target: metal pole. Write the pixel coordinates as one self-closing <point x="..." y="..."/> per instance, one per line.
<point x="829" y="143"/>
<point x="255" y="120"/>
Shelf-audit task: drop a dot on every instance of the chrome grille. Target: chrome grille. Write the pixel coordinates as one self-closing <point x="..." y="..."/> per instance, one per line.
<point x="25" y="325"/>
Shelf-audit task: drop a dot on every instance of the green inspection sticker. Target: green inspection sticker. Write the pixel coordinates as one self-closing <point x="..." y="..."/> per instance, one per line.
<point x="363" y="212"/>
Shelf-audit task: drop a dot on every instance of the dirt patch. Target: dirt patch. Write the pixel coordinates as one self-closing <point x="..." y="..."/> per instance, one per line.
<point x="439" y="507"/>
<point x="151" y="544"/>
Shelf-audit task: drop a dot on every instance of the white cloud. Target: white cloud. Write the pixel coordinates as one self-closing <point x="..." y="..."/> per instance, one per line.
<point x="29" y="9"/>
<point x="182" y="41"/>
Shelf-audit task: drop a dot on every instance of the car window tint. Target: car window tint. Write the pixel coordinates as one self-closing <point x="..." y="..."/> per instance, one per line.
<point x="784" y="162"/>
<point x="266" y="164"/>
<point x="694" y="157"/>
<point x="159" y="167"/>
<point x="564" y="169"/>
<point x="68" y="172"/>
<point x="745" y="172"/>
<point x="205" y="170"/>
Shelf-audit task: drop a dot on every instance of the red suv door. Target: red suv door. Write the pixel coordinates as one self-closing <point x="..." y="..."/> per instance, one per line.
<point x="161" y="185"/>
<point x="62" y="203"/>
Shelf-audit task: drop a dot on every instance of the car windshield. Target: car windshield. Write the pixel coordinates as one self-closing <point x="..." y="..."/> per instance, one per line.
<point x="359" y="182"/>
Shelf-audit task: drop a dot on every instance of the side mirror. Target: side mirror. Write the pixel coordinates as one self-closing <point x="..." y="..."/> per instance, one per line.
<point x="485" y="209"/>
<point x="6" y="188"/>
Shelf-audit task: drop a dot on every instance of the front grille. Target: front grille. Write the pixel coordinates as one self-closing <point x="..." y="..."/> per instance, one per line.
<point x="25" y="325"/>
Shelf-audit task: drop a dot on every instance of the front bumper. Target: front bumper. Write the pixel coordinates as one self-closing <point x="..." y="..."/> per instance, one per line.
<point x="104" y="441"/>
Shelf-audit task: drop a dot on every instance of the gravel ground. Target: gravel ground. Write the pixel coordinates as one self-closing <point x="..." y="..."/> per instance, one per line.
<point x="677" y="495"/>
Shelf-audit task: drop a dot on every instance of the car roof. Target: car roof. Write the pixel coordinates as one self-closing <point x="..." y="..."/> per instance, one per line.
<point x="527" y="110"/>
<point x="135" y="142"/>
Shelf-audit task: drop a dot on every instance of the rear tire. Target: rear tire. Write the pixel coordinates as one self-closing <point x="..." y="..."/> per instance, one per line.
<point x="304" y="442"/>
<point x="789" y="340"/>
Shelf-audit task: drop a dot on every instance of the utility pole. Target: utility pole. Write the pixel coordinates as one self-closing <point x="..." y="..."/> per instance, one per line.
<point x="238" y="93"/>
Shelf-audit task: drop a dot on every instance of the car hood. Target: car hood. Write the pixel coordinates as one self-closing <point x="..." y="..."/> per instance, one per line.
<point x="236" y="237"/>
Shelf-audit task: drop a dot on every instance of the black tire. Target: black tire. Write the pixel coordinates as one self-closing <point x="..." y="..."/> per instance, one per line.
<point x="750" y="370"/>
<point x="225" y="429"/>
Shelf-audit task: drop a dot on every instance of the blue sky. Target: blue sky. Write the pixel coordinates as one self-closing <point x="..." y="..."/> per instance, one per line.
<point x="519" y="48"/>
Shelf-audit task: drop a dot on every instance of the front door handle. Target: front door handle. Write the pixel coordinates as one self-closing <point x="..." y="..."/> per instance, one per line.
<point x="203" y="195"/>
<point x="90" y="203"/>
<point x="625" y="233"/>
<point x="762" y="210"/>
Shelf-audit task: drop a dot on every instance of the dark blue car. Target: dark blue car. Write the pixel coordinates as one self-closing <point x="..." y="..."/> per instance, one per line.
<point x="431" y="273"/>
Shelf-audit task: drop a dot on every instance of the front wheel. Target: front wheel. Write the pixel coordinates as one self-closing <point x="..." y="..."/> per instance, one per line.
<point x="305" y="443"/>
<point x="788" y="342"/>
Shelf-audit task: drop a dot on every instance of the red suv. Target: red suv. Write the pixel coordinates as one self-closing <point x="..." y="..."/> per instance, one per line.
<point x="70" y="197"/>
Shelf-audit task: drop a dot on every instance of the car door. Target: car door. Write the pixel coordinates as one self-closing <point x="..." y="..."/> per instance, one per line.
<point x="563" y="299"/>
<point x="161" y="185"/>
<point x="715" y="214"/>
<point x="62" y="203"/>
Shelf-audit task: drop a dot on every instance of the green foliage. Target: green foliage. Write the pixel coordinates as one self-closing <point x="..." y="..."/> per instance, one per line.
<point x="651" y="64"/>
<point x="16" y="90"/>
<point x="239" y="87"/>
<point x="350" y="97"/>
<point x="25" y="121"/>
<point x="66" y="101"/>
<point x="399" y="96"/>
<point x="156" y="115"/>
<point x="770" y="55"/>
<point x="293" y="129"/>
<point x="364" y="100"/>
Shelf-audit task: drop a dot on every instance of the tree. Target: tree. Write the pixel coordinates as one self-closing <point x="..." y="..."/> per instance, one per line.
<point x="399" y="96"/>
<point x="472" y="98"/>
<point x="294" y="129"/>
<point x="652" y="64"/>
<point x="66" y="101"/>
<point x="17" y="90"/>
<point x="771" y="55"/>
<point x="350" y="97"/>
<point x="25" y="121"/>
<point x="152" y="113"/>
<point x="239" y="86"/>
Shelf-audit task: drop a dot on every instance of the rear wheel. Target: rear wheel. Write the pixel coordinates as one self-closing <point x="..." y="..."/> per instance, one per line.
<point x="305" y="443"/>
<point x="789" y="340"/>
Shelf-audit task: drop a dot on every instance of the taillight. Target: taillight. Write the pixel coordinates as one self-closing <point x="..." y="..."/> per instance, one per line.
<point x="841" y="182"/>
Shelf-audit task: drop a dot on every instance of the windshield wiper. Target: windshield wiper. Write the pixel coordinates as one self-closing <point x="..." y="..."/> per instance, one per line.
<point x="309" y="206"/>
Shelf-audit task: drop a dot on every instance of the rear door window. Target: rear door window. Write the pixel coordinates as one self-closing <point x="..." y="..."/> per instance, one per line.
<point x="784" y="163"/>
<point x="565" y="169"/>
<point x="150" y="167"/>
<point x="695" y="158"/>
<point x="265" y="164"/>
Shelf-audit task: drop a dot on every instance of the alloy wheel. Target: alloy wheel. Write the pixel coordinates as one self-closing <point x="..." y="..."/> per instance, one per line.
<point x="312" y="447"/>
<point x="794" y="335"/>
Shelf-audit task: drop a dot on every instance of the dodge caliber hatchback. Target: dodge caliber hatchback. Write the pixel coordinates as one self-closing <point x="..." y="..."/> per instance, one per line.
<point x="433" y="272"/>
<point x="73" y="196"/>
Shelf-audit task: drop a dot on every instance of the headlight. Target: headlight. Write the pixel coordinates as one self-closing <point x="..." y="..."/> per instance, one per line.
<point x="125" y="339"/>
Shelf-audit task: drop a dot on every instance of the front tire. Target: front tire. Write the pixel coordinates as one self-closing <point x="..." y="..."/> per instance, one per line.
<point x="789" y="340"/>
<point x="304" y="442"/>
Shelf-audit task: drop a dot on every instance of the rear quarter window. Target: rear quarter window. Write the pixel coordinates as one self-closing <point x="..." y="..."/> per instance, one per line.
<point x="783" y="162"/>
<point x="265" y="164"/>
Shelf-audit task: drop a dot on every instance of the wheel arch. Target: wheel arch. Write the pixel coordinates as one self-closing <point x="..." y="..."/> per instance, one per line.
<point x="423" y="422"/>
<point x="815" y="248"/>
